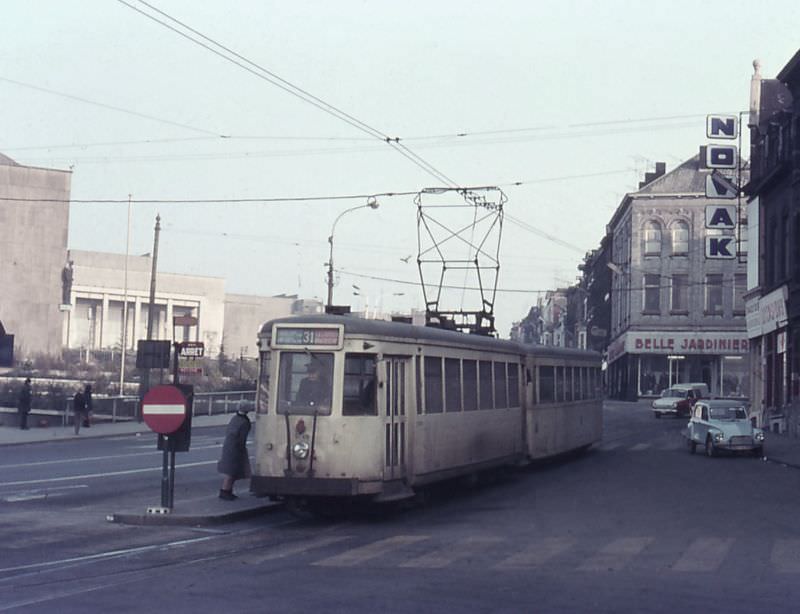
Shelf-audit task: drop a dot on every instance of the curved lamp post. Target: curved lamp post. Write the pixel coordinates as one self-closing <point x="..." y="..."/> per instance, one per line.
<point x="372" y="203"/>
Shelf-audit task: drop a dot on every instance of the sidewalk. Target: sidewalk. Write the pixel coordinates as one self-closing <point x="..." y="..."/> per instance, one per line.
<point x="190" y="509"/>
<point x="10" y="435"/>
<point x="782" y="449"/>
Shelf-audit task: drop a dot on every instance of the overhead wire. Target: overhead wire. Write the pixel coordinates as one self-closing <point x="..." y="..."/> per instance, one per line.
<point x="113" y="107"/>
<point x="288" y="87"/>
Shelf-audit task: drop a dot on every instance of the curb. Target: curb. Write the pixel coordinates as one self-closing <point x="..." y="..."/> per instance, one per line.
<point x="192" y="521"/>
<point x="144" y="431"/>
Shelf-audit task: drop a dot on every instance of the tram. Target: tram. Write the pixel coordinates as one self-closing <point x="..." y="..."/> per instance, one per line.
<point x="353" y="408"/>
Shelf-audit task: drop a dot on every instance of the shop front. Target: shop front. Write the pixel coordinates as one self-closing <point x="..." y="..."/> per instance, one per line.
<point x="644" y="363"/>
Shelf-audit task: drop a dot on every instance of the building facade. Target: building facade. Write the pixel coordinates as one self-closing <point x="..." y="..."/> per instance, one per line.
<point x="773" y="301"/>
<point x="101" y="286"/>
<point x="677" y="311"/>
<point x="34" y="217"/>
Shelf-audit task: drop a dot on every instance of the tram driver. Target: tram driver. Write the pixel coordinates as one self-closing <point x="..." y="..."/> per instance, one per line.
<point x="315" y="389"/>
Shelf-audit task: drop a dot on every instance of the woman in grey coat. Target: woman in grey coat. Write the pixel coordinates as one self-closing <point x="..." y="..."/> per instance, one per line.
<point x="234" y="464"/>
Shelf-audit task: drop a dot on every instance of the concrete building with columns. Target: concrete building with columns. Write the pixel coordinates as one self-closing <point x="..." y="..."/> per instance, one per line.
<point x="98" y="296"/>
<point x="52" y="298"/>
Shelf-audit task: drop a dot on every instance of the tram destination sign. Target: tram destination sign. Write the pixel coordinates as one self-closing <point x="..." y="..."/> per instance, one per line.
<point x="307" y="336"/>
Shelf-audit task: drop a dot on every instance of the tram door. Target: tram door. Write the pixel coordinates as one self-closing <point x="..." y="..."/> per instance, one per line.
<point x="394" y="401"/>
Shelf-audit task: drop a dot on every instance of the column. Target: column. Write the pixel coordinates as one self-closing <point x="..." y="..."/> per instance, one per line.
<point x="104" y="322"/>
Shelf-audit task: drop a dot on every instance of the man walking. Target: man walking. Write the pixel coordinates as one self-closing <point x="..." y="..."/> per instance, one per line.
<point x="24" y="404"/>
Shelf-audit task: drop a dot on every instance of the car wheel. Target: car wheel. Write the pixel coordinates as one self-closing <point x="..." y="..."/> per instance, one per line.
<point x="710" y="450"/>
<point x="658" y="414"/>
<point x="692" y="446"/>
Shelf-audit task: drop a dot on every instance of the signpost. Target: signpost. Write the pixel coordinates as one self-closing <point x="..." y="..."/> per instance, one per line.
<point x="165" y="409"/>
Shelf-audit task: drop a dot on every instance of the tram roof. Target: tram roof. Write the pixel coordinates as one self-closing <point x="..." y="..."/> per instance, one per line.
<point x="425" y="334"/>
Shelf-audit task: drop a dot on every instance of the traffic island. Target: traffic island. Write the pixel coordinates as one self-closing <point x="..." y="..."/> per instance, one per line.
<point x="204" y="513"/>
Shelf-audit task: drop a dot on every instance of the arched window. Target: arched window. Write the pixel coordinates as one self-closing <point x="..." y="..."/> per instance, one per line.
<point x="680" y="237"/>
<point x="652" y="239"/>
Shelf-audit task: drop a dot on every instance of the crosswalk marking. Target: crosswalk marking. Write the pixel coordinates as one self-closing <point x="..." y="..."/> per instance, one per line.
<point x="537" y="554"/>
<point x="640" y="446"/>
<point x="785" y="555"/>
<point x="616" y="555"/>
<point x="298" y="548"/>
<point x="353" y="557"/>
<point x="704" y="554"/>
<point x="452" y="552"/>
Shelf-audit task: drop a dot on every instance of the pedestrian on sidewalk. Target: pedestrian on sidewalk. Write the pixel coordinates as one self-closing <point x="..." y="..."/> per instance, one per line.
<point x="24" y="404"/>
<point x="234" y="464"/>
<point x="81" y="406"/>
<point x="87" y="398"/>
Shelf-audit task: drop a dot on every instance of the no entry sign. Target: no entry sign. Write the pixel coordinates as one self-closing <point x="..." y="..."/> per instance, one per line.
<point x="164" y="409"/>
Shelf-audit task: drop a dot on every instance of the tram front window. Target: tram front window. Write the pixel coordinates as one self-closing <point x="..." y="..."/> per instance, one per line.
<point x="305" y="382"/>
<point x="359" y="385"/>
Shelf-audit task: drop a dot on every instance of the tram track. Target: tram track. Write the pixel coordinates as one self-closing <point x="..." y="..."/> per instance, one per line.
<point x="57" y="574"/>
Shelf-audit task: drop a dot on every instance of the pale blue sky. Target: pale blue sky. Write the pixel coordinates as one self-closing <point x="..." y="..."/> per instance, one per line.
<point x="409" y="69"/>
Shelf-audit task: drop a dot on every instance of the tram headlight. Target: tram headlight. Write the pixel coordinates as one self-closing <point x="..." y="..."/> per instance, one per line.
<point x="300" y="450"/>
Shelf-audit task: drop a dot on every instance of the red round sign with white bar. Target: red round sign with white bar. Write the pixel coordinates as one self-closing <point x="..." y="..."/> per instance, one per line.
<point x="164" y="409"/>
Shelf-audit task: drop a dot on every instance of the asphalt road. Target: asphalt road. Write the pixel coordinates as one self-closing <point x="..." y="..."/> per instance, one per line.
<point x="635" y="525"/>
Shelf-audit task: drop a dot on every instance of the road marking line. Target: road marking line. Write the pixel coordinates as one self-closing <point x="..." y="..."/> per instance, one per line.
<point x="451" y="553"/>
<point x="785" y="555"/>
<point x="537" y="554"/>
<point x="31" y="495"/>
<point x="640" y="446"/>
<point x="290" y="549"/>
<point x="356" y="556"/>
<point x="103" y="475"/>
<point x="704" y="554"/>
<point x="616" y="555"/>
<point x="107" y="555"/>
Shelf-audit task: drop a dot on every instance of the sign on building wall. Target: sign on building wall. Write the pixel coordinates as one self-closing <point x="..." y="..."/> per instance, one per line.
<point x="719" y="186"/>
<point x="772" y="309"/>
<point x="724" y="127"/>
<point x="722" y="217"/>
<point x="721" y="248"/>
<point x="677" y="343"/>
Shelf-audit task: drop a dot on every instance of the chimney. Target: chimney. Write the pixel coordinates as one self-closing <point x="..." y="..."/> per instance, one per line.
<point x="661" y="169"/>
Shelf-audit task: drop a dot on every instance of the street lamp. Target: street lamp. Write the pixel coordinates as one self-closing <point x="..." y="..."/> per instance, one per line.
<point x="372" y="203"/>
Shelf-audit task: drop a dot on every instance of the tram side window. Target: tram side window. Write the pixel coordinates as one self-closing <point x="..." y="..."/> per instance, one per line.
<point x="568" y="383"/>
<point x="452" y="384"/>
<point x="262" y="396"/>
<point x="359" y="385"/>
<point x="485" y="381"/>
<point x="470" y="368"/>
<point x="500" y="390"/>
<point x="305" y="382"/>
<point x="513" y="384"/>
<point x="588" y="393"/>
<point x="433" y="385"/>
<point x="559" y="383"/>
<point x="547" y="384"/>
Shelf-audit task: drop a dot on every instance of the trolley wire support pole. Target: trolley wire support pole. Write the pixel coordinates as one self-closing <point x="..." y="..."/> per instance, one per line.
<point x="166" y="483"/>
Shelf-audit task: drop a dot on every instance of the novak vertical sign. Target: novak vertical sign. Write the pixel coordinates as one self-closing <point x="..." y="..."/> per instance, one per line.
<point x="722" y="127"/>
<point x="720" y="241"/>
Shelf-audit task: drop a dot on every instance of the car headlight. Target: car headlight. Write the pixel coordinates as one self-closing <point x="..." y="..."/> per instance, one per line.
<point x="718" y="437"/>
<point x="300" y="450"/>
<point x="674" y="404"/>
<point x="759" y="436"/>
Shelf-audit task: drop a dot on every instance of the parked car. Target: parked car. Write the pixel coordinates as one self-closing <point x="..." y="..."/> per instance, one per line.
<point x="723" y="424"/>
<point x="677" y="400"/>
